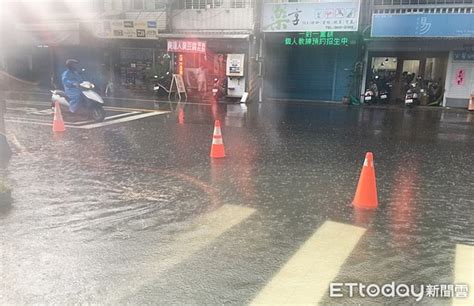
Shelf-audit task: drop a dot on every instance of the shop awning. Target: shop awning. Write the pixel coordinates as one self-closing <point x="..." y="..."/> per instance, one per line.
<point x="51" y="34"/>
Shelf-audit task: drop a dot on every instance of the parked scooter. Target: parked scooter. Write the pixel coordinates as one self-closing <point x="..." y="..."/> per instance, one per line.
<point x="435" y="93"/>
<point x="383" y="96"/>
<point x="218" y="89"/>
<point x="412" y="96"/>
<point x="415" y="92"/>
<point x="91" y="100"/>
<point x="385" y="92"/>
<point x="371" y="94"/>
<point x="162" y="85"/>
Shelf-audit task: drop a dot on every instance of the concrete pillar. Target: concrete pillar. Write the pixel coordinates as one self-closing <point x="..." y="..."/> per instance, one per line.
<point x="364" y="71"/>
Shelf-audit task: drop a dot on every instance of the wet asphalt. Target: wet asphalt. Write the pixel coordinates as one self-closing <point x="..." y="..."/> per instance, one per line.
<point x="99" y="215"/>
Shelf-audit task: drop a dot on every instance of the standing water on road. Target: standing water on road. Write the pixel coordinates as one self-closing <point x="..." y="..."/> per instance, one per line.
<point x="139" y="213"/>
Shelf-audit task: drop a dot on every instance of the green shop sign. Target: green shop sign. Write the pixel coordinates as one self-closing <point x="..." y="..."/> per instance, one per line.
<point x="319" y="39"/>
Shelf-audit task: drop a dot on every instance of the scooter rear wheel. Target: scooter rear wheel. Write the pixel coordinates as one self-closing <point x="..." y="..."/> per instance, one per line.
<point x="98" y="113"/>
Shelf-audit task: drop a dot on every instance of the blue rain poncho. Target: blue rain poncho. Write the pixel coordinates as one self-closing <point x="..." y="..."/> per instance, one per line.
<point x="71" y="78"/>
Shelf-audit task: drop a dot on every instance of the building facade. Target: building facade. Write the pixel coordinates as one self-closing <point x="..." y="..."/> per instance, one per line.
<point x="429" y="40"/>
<point x="322" y="50"/>
<point x="149" y="37"/>
<point x="310" y="49"/>
<point x="38" y="36"/>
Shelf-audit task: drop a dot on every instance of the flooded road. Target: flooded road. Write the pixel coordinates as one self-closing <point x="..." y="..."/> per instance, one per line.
<point x="138" y="213"/>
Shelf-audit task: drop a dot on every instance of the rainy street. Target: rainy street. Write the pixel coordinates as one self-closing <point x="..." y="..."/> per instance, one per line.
<point x="135" y="211"/>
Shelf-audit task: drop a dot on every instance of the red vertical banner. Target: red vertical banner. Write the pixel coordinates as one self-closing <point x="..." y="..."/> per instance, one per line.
<point x="181" y="64"/>
<point x="460" y="77"/>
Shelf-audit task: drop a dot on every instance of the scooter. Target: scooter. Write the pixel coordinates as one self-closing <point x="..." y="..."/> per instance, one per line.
<point x="162" y="85"/>
<point x="370" y="95"/>
<point x="412" y="97"/>
<point x="385" y="92"/>
<point x="383" y="96"/>
<point x="218" y="90"/>
<point x="92" y="100"/>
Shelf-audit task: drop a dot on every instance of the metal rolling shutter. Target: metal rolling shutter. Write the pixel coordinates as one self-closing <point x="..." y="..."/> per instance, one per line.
<point x="308" y="73"/>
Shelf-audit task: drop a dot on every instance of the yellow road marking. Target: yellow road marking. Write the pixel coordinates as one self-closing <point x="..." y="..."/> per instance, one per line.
<point x="201" y="233"/>
<point x="305" y="278"/>
<point x="464" y="272"/>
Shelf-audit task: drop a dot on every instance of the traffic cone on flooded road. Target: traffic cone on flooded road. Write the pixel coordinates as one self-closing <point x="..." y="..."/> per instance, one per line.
<point x="366" y="193"/>
<point x="217" y="148"/>
<point x="58" y="122"/>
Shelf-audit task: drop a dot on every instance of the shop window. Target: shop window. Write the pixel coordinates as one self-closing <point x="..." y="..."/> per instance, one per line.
<point x="434" y="68"/>
<point x="384" y="63"/>
<point x="411" y="66"/>
<point x="134" y="64"/>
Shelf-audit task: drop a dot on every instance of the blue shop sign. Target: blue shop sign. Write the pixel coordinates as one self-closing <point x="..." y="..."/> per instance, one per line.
<point x="423" y="25"/>
<point x="463" y="55"/>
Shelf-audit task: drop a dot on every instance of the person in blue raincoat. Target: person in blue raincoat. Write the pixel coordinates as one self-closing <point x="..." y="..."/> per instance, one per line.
<point x="71" y="80"/>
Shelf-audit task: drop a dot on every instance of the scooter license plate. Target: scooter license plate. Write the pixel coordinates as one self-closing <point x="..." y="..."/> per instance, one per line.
<point x="409" y="101"/>
<point x="368" y="98"/>
<point x="383" y="96"/>
<point x="214" y="90"/>
<point x="156" y="88"/>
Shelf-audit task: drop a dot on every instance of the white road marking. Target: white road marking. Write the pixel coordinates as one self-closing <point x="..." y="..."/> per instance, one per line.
<point x="121" y="120"/>
<point x="118" y="119"/>
<point x="107" y="108"/>
<point x="464" y="272"/>
<point x="34" y="122"/>
<point x="106" y="118"/>
<point x="201" y="233"/>
<point x="121" y="115"/>
<point x="305" y="278"/>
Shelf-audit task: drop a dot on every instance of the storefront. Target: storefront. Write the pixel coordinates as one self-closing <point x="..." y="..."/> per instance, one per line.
<point x="396" y="67"/>
<point x="137" y="63"/>
<point x="309" y="65"/>
<point x="190" y="52"/>
<point x="135" y="53"/>
<point x="310" y="50"/>
<point x="32" y="55"/>
<point x="432" y="49"/>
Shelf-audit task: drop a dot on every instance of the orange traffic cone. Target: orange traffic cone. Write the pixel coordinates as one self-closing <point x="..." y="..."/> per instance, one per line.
<point x="58" y="122"/>
<point x="366" y="194"/>
<point x="217" y="149"/>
